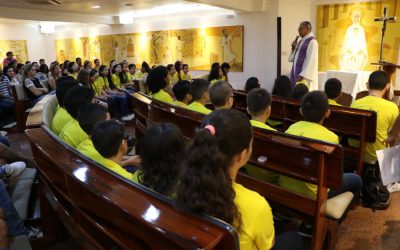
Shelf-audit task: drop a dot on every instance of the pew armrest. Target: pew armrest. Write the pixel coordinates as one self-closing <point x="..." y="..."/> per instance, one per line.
<point x="336" y="206"/>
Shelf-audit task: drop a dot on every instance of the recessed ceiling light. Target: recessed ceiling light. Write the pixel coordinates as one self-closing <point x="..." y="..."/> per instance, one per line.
<point x="96" y="7"/>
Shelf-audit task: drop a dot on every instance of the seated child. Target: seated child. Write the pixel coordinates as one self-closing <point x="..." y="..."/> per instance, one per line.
<point x="109" y="140"/>
<point x="157" y="81"/>
<point x="199" y="91"/>
<point x="259" y="107"/>
<point x="181" y="92"/>
<point x="185" y="72"/>
<point x="72" y="133"/>
<point x="315" y="108"/>
<point x="386" y="111"/>
<point x="282" y="87"/>
<point x="221" y="95"/>
<point x="299" y="91"/>
<point x="333" y="89"/>
<point x="251" y="83"/>
<point x="61" y="116"/>
<point x="162" y="152"/>
<point x="88" y="116"/>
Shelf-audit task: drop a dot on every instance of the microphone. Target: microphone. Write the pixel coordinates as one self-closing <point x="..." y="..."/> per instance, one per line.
<point x="297" y="38"/>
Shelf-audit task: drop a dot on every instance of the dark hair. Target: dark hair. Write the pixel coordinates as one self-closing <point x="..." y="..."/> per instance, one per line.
<point x="198" y="88"/>
<point x="89" y="115"/>
<point x="86" y="63"/>
<point x="314" y="106"/>
<point x="225" y="65"/>
<point x="44" y="69"/>
<point x="220" y="92"/>
<point x="184" y="65"/>
<point x="122" y="76"/>
<point x="299" y="91"/>
<point x="204" y="184"/>
<point x="178" y="65"/>
<point x="83" y="78"/>
<point x="77" y="59"/>
<point x="251" y="83"/>
<point x="169" y="66"/>
<point x="181" y="89"/>
<point x="146" y="67"/>
<point x="258" y="100"/>
<point x="76" y="97"/>
<point x="95" y="60"/>
<point x="63" y="84"/>
<point x="282" y="86"/>
<point x="333" y="88"/>
<point x="20" y="65"/>
<point x="8" y="53"/>
<point x="156" y="79"/>
<point x="162" y="152"/>
<point x="378" y="80"/>
<point x="107" y="137"/>
<point x="214" y="72"/>
<point x="70" y="65"/>
<point x="41" y="60"/>
<point x="5" y="69"/>
<point x="131" y="66"/>
<point x="101" y="69"/>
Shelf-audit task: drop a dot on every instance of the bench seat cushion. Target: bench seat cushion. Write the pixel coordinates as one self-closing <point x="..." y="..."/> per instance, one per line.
<point x="20" y="242"/>
<point x="336" y="206"/>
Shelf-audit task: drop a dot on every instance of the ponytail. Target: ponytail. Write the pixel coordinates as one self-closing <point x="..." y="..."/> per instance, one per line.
<point x="205" y="186"/>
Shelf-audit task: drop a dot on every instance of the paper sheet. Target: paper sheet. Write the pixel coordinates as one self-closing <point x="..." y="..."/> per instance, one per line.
<point x="389" y="162"/>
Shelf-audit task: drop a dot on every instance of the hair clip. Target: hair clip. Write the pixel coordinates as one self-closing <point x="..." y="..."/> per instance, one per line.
<point x="210" y="128"/>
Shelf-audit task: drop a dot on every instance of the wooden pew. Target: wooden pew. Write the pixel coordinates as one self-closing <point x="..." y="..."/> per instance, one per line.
<point x="313" y="161"/>
<point x="22" y="104"/>
<point x="102" y="210"/>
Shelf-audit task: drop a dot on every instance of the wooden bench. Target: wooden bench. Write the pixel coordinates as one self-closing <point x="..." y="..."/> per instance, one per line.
<point x="22" y="104"/>
<point x="313" y="161"/>
<point x="100" y="209"/>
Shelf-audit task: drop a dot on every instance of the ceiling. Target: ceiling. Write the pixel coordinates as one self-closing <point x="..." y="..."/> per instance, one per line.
<point x="82" y="10"/>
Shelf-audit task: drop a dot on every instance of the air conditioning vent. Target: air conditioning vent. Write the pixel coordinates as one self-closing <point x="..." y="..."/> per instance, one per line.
<point x="43" y="2"/>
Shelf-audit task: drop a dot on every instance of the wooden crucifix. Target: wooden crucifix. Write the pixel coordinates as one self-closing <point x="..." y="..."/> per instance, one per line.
<point x="384" y="20"/>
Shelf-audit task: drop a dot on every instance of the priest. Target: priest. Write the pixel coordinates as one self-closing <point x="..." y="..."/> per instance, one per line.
<point x="305" y="57"/>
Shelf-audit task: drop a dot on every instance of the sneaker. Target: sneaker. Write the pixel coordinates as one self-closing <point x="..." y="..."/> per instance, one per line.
<point x="35" y="233"/>
<point x="128" y="117"/>
<point x="14" y="169"/>
<point x="394" y="187"/>
<point x="305" y="230"/>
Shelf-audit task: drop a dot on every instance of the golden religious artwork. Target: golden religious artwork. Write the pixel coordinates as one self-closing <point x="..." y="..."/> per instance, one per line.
<point x="199" y="47"/>
<point x="349" y="38"/>
<point x="18" y="47"/>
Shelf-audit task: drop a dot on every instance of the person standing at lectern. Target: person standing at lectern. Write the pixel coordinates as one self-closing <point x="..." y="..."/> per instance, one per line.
<point x="304" y="56"/>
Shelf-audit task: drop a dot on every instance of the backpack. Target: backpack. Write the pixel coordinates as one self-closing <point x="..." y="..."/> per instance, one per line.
<point x="374" y="194"/>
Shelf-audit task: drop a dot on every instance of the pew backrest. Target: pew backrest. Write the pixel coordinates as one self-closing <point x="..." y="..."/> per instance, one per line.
<point x="108" y="211"/>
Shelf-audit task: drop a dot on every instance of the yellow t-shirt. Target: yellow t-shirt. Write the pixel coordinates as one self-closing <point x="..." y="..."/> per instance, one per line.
<point x="257" y="229"/>
<point x="129" y="77"/>
<point x="175" y="78"/>
<point x="102" y="82"/>
<point x="214" y="81"/>
<point x="59" y="120"/>
<point x="314" y="131"/>
<point x="333" y="102"/>
<point x="116" y="80"/>
<point x="86" y="147"/>
<point x="115" y="167"/>
<point x="259" y="124"/>
<point x="256" y="172"/>
<point x="186" y="77"/>
<point x="74" y="75"/>
<point x="198" y="107"/>
<point x="180" y="104"/>
<point x="72" y="134"/>
<point x="163" y="96"/>
<point x="274" y="123"/>
<point x="387" y="113"/>
<point x="139" y="75"/>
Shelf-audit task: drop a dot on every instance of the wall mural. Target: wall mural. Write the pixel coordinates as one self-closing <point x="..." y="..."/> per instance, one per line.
<point x="18" y="47"/>
<point x="199" y="47"/>
<point x="349" y="38"/>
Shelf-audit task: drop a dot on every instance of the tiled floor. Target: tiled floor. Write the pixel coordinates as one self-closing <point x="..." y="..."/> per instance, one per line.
<point x="363" y="228"/>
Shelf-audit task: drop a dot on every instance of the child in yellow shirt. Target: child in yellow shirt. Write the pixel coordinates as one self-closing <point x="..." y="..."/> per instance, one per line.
<point x="72" y="133"/>
<point x="221" y="95"/>
<point x="182" y="95"/>
<point x="185" y="72"/>
<point x="157" y="81"/>
<point x="61" y="116"/>
<point x="199" y="91"/>
<point x="109" y="140"/>
<point x="333" y="89"/>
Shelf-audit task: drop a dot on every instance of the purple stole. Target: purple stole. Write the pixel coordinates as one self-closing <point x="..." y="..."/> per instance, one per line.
<point x="300" y="60"/>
